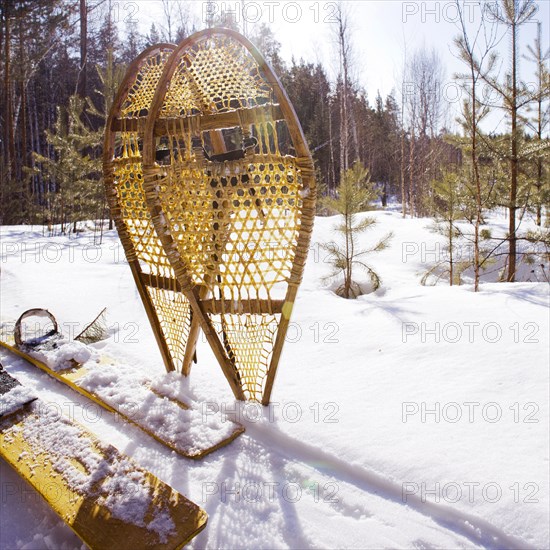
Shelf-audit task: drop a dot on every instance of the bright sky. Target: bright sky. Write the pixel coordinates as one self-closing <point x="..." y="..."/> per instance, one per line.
<point x="384" y="32"/>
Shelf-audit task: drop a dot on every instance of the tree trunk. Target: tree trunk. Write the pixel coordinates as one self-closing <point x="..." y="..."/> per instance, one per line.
<point x="9" y="145"/>
<point x="332" y="172"/>
<point x="82" y="80"/>
<point x="344" y="107"/>
<point x="24" y="148"/>
<point x="412" y="183"/>
<point x="349" y="256"/>
<point x="479" y="203"/>
<point x="451" y="256"/>
<point x="403" y="193"/>
<point x="513" y="167"/>
<point x="540" y="115"/>
<point x="355" y="138"/>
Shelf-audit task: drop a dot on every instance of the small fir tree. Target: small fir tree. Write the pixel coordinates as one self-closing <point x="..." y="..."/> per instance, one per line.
<point x="354" y="195"/>
<point x="454" y="200"/>
<point x="447" y="203"/>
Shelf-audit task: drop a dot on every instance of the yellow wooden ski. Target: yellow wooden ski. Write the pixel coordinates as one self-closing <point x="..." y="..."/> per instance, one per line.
<point x="103" y="496"/>
<point x="191" y="432"/>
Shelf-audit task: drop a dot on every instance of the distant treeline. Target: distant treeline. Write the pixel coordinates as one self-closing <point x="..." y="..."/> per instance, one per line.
<point x="62" y="61"/>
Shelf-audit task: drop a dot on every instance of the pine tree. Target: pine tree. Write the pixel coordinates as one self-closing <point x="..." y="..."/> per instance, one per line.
<point x="263" y="38"/>
<point x="448" y="196"/>
<point x="354" y="195"/>
<point x="515" y="95"/>
<point x="454" y="201"/>
<point x="539" y="122"/>
<point x="74" y="171"/>
<point x="110" y="78"/>
<point x="133" y="43"/>
<point x="153" y="37"/>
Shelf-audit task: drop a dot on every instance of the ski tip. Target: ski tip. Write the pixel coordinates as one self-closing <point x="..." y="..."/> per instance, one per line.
<point x="13" y="396"/>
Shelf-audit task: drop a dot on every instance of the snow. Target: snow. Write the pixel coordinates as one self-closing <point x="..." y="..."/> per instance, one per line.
<point x="64" y="354"/>
<point x="412" y="417"/>
<point x="14" y="399"/>
<point x="128" y="496"/>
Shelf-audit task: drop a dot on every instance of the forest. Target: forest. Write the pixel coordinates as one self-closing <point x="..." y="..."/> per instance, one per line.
<point x="62" y="61"/>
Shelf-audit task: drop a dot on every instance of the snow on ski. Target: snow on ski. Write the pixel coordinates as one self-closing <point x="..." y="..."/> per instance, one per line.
<point x="13" y="396"/>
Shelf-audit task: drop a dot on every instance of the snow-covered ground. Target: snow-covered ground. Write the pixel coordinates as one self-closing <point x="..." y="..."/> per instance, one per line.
<point x="414" y="417"/>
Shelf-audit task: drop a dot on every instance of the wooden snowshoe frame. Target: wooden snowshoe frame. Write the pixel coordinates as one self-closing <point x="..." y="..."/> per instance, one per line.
<point x="230" y="191"/>
<point x="167" y="308"/>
